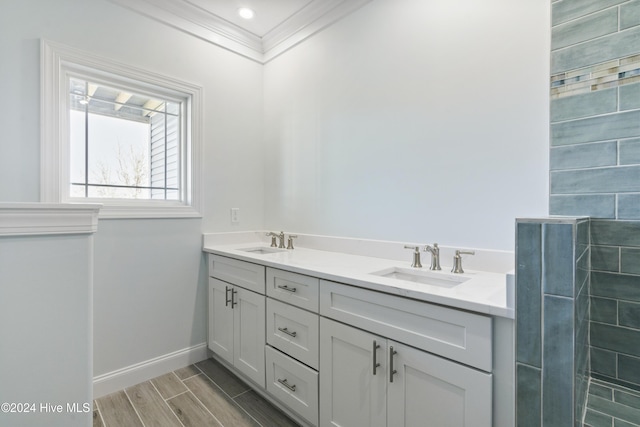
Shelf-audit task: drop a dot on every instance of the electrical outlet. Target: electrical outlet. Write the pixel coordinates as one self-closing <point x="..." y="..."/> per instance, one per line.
<point x="235" y="215"/>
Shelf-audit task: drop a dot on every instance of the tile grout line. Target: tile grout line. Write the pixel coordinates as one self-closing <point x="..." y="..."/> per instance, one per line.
<point x="100" y="413"/>
<point x="228" y="395"/>
<point x="165" y="402"/>
<point x="134" y="407"/>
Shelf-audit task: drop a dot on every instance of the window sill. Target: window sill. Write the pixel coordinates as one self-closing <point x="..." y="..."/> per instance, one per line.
<point x="127" y="211"/>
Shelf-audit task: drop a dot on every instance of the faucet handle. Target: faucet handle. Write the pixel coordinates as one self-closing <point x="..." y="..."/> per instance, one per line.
<point x="457" y="260"/>
<point x="290" y="241"/>
<point x="273" y="238"/>
<point x="416" y="256"/>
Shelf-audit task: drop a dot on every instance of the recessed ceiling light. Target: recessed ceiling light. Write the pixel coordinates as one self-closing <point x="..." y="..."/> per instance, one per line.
<point x="246" y="13"/>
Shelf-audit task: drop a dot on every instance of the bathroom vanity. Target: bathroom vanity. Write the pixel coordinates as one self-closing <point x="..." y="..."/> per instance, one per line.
<point x="352" y="340"/>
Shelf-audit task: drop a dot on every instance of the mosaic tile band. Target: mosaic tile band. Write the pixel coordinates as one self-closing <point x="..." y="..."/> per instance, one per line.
<point x="599" y="76"/>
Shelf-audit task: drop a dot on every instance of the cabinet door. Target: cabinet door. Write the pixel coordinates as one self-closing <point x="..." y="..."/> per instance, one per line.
<point x="249" y="334"/>
<point x="430" y="391"/>
<point x="220" y="319"/>
<point x="350" y="394"/>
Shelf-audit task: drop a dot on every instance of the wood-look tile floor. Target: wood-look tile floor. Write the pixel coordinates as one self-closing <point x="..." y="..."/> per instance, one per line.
<point x="200" y="395"/>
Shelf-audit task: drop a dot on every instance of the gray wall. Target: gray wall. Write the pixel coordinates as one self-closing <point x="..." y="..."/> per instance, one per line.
<point x="412" y="120"/>
<point x="45" y="328"/>
<point x="149" y="293"/>
<point x="595" y="165"/>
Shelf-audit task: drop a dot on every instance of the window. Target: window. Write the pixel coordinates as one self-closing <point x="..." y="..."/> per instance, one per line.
<point x="123" y="137"/>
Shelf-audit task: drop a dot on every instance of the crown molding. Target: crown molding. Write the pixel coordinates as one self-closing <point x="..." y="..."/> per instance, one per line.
<point x="29" y="219"/>
<point x="185" y="16"/>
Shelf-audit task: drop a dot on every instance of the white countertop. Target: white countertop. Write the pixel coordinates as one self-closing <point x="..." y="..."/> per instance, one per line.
<point x="483" y="292"/>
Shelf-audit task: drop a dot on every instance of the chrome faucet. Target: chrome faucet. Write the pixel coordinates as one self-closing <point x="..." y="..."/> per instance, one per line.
<point x="281" y="237"/>
<point x="435" y="256"/>
<point x="290" y="241"/>
<point x="457" y="261"/>
<point x="416" y="256"/>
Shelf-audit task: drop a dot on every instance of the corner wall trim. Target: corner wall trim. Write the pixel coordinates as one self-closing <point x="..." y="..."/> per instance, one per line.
<point x="144" y="371"/>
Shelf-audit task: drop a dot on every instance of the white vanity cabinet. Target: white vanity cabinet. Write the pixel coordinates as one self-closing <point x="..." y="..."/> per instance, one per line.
<point x="293" y="327"/>
<point x="237" y="315"/>
<point x="372" y="379"/>
<point x="335" y="354"/>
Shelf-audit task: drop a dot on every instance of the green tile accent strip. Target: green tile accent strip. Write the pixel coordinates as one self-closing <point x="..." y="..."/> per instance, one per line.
<point x="601" y="77"/>
<point x="622" y="412"/>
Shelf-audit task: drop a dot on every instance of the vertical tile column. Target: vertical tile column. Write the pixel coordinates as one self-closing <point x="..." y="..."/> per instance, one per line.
<point x="552" y="259"/>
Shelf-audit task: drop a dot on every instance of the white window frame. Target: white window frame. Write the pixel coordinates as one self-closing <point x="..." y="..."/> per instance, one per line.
<point x="58" y="63"/>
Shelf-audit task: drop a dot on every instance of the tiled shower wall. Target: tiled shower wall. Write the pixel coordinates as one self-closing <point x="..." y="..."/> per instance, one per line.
<point x="615" y="302"/>
<point x="595" y="165"/>
<point x="552" y="302"/>
<point x="595" y="109"/>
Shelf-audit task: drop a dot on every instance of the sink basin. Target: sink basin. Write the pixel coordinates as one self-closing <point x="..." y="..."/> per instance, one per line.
<point x="418" y="276"/>
<point x="262" y="250"/>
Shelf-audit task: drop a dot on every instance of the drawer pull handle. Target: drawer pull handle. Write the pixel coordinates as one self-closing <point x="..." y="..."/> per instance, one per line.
<point x="286" y="288"/>
<point x="376" y="346"/>
<point x="226" y="296"/>
<point x="234" y="292"/>
<point x="286" y="331"/>
<point x="392" y="371"/>
<point x="287" y="385"/>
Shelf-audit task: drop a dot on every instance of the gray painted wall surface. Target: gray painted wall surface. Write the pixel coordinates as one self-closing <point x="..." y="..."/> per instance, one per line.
<point x="45" y="328"/>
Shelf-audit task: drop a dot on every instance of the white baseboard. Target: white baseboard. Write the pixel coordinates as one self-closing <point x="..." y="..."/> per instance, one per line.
<point x="143" y="371"/>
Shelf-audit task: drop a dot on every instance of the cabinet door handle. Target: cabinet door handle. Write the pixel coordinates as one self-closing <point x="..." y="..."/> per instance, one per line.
<point x="392" y="371"/>
<point x="286" y="331"/>
<point x="376" y="346"/>
<point x="286" y="288"/>
<point x="287" y="385"/>
<point x="226" y="296"/>
<point x="234" y="292"/>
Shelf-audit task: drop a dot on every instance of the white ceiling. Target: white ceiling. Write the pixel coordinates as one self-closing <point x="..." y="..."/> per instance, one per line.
<point x="278" y="24"/>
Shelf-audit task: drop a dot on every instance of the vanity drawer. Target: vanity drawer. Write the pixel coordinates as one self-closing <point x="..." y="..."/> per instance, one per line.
<point x="293" y="383"/>
<point x="455" y="334"/>
<point x="245" y="274"/>
<point x="293" y="288"/>
<point x="293" y="331"/>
